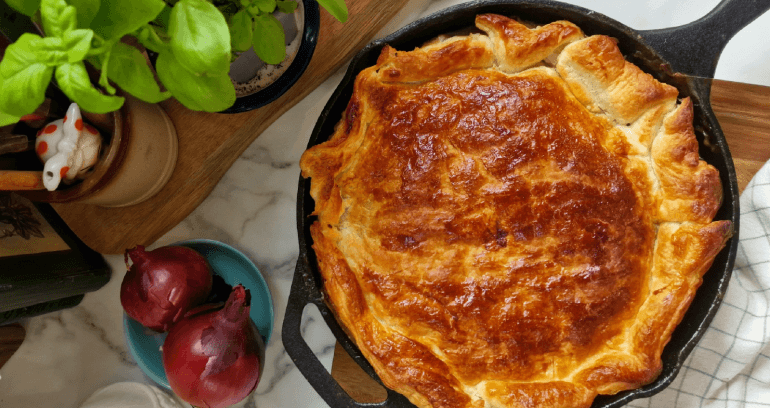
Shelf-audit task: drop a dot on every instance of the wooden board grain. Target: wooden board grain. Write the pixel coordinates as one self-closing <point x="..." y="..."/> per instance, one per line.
<point x="743" y="111"/>
<point x="354" y="380"/>
<point x="11" y="337"/>
<point x="209" y="143"/>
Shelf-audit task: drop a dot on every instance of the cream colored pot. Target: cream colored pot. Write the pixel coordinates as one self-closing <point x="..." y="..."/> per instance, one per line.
<point x="137" y="160"/>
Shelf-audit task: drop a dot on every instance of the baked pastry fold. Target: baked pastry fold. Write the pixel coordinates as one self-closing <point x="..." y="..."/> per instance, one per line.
<point x="512" y="219"/>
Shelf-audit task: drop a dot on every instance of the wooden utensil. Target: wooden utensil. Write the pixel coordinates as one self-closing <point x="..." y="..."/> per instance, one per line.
<point x="14" y="180"/>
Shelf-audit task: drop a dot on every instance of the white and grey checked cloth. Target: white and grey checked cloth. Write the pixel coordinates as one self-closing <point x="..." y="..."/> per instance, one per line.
<point x="730" y="366"/>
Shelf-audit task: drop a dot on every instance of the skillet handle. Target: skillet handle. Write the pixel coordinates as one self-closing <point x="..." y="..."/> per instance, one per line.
<point x="303" y="292"/>
<point x="694" y="48"/>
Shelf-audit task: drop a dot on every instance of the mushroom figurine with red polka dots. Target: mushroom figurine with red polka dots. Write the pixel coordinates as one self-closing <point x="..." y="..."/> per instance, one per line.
<point x="68" y="147"/>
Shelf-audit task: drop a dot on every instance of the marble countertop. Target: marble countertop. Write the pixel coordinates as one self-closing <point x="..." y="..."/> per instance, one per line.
<point x="68" y="355"/>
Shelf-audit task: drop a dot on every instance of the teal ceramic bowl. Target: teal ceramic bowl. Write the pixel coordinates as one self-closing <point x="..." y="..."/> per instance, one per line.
<point x="235" y="268"/>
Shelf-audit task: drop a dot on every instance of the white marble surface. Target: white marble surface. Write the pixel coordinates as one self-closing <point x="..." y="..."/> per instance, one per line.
<point x="70" y="354"/>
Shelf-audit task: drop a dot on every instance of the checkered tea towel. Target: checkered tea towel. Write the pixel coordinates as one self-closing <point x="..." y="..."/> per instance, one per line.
<point x="730" y="366"/>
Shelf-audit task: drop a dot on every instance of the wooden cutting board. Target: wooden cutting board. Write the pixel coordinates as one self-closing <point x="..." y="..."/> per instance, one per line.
<point x="743" y="111"/>
<point x="209" y="143"/>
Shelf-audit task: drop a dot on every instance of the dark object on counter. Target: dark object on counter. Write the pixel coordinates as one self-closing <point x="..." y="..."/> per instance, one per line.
<point x="690" y="49"/>
<point x="12" y="316"/>
<point x="11" y="337"/>
<point x="41" y="259"/>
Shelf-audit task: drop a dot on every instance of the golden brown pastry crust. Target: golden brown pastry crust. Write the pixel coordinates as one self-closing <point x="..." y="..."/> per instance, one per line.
<point x="496" y="232"/>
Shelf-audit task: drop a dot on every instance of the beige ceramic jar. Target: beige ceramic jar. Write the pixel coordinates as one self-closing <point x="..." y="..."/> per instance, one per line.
<point x="137" y="160"/>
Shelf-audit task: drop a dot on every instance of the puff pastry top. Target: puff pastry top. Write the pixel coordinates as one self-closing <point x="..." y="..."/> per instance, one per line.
<point x="512" y="219"/>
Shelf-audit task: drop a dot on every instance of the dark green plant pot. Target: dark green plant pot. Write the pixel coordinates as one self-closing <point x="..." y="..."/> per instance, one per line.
<point x="311" y="26"/>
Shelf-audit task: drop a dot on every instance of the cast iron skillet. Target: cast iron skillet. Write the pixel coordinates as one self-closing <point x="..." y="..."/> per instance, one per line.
<point x="691" y="49"/>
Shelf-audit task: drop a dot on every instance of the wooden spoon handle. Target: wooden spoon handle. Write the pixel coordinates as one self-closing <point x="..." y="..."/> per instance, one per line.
<point x="21" y="180"/>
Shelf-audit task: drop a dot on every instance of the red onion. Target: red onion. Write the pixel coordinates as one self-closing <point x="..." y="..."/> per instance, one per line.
<point x="213" y="356"/>
<point x="163" y="284"/>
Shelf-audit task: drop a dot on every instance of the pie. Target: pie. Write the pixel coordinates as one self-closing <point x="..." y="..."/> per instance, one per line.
<point x="514" y="217"/>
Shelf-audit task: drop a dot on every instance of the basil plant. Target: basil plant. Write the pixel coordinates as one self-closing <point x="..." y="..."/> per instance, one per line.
<point x="195" y="41"/>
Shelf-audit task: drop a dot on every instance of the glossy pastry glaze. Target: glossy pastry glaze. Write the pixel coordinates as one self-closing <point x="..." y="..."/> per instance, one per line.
<point x="496" y="231"/>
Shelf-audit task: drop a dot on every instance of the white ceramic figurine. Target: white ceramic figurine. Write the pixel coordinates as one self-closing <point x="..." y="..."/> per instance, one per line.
<point x="68" y="147"/>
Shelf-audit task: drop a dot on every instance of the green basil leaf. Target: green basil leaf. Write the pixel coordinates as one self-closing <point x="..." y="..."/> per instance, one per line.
<point x="31" y="49"/>
<point x="117" y="18"/>
<point x="149" y="36"/>
<point x="58" y="17"/>
<point x="269" y="39"/>
<point x="240" y="31"/>
<point x="200" y="37"/>
<point x="286" y="6"/>
<point x="164" y="17"/>
<point x="6" y="119"/>
<point x="264" y="6"/>
<point x="104" y="81"/>
<point x="19" y="55"/>
<point x="197" y="92"/>
<point x="128" y="68"/>
<point x="26" y="7"/>
<point x="24" y="91"/>
<point x="51" y="51"/>
<point x="86" y="11"/>
<point x="336" y="8"/>
<point x="74" y="82"/>
<point x="77" y="43"/>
